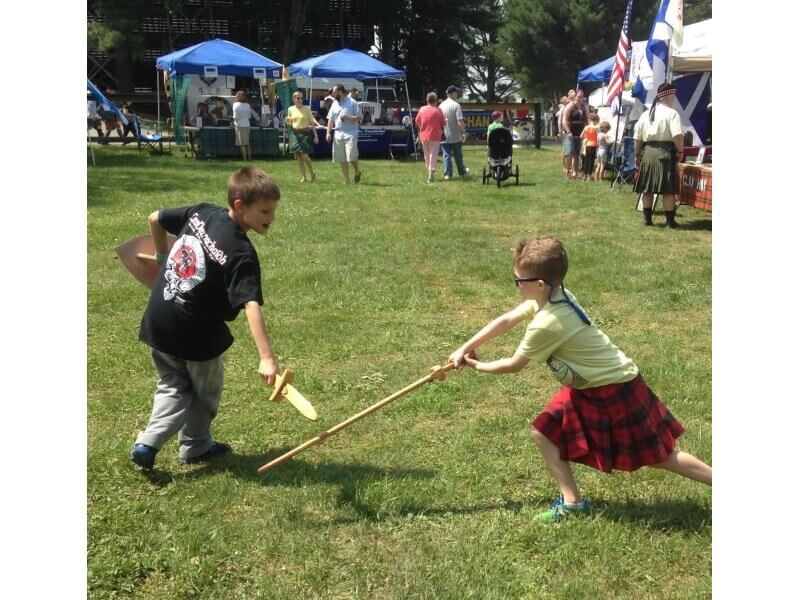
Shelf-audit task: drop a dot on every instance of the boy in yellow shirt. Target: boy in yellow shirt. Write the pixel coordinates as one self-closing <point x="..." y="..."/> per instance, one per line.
<point x="605" y="416"/>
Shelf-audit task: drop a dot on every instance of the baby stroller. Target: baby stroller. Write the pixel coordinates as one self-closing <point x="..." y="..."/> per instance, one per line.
<point x="499" y="160"/>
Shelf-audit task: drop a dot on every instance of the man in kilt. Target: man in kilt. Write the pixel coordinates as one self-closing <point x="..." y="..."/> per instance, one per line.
<point x="605" y="416"/>
<point x="658" y="145"/>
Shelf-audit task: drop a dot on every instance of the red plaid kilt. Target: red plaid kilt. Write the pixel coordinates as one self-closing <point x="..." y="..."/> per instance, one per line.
<point x="621" y="426"/>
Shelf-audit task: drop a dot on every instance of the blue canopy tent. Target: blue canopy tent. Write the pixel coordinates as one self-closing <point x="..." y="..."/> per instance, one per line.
<point x="227" y="57"/>
<point x="350" y="63"/>
<point x="104" y="102"/>
<point x="600" y="72"/>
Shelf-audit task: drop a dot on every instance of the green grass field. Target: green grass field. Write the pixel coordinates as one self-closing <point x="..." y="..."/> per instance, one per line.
<point x="366" y="287"/>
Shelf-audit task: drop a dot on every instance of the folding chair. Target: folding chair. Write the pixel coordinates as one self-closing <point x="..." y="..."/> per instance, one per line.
<point x="148" y="140"/>
<point x="399" y="143"/>
<point x="623" y="164"/>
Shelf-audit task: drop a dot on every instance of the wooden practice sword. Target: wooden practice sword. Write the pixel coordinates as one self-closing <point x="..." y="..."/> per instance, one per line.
<point x="437" y="374"/>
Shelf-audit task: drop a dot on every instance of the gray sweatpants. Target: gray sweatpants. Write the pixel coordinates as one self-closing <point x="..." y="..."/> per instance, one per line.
<point x="186" y="401"/>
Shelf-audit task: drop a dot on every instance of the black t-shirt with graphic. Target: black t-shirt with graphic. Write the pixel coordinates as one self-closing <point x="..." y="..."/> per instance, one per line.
<point x="211" y="272"/>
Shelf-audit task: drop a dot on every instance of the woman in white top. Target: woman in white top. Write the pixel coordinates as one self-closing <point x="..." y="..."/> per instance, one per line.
<point x="241" y="123"/>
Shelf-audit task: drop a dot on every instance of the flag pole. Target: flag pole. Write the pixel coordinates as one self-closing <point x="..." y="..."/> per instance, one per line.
<point x="617" y="165"/>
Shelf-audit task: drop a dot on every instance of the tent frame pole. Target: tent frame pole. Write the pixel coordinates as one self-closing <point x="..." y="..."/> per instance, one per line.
<point x="413" y="133"/>
<point x="158" y="101"/>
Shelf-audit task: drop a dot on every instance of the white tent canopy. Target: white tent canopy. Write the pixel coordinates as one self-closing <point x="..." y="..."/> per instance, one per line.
<point x="694" y="54"/>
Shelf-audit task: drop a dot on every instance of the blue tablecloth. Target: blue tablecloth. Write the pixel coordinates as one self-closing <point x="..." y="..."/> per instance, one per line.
<point x="372" y="141"/>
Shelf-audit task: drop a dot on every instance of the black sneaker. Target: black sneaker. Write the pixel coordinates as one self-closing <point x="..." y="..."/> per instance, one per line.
<point x="218" y="449"/>
<point x="144" y="456"/>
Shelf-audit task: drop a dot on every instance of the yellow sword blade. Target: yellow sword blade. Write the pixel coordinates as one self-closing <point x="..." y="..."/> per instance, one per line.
<point x="300" y="403"/>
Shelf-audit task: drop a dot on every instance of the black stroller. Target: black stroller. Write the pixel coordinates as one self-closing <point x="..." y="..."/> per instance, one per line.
<point x="499" y="161"/>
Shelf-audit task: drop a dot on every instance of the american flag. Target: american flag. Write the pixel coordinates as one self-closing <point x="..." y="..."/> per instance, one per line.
<point x="618" y="74"/>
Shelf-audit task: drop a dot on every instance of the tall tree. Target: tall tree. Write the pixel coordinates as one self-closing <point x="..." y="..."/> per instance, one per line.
<point x="292" y="16"/>
<point x="117" y="31"/>
<point x="430" y="48"/>
<point x="548" y="41"/>
<point x="483" y="68"/>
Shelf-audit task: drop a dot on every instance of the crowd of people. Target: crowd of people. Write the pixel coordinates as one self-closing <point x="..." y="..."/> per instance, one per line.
<point x="658" y="147"/>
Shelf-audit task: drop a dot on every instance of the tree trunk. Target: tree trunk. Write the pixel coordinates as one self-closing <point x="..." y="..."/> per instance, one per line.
<point x="292" y="17"/>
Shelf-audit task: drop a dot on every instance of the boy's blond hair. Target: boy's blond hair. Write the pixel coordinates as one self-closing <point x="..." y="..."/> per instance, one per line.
<point x="604" y="126"/>
<point x="250" y="185"/>
<point x="543" y="257"/>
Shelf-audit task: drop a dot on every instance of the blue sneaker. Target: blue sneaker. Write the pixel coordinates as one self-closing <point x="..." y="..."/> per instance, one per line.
<point x="558" y="511"/>
<point x="144" y="456"/>
<point x="218" y="449"/>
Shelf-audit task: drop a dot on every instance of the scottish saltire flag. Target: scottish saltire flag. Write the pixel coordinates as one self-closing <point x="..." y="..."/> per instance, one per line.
<point x="693" y="90"/>
<point x="653" y="68"/>
<point x="617" y="81"/>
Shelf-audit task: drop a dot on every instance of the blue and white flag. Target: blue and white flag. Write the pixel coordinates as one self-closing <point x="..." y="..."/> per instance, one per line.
<point x="653" y="68"/>
<point x="693" y="90"/>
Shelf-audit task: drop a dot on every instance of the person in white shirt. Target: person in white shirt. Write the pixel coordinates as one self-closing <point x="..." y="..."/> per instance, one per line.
<point x="454" y="134"/>
<point x="344" y="116"/>
<point x="93" y="120"/>
<point x="658" y="145"/>
<point x="242" y="112"/>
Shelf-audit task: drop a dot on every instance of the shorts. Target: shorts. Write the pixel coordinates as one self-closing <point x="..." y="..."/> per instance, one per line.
<point x="571" y="145"/>
<point x="345" y="150"/>
<point x="602" y="154"/>
<point x="242" y="136"/>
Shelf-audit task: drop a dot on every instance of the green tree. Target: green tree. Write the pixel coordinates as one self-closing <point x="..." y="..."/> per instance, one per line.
<point x="696" y="10"/>
<point x="116" y="31"/>
<point x="430" y="47"/>
<point x="483" y="68"/>
<point x="547" y="42"/>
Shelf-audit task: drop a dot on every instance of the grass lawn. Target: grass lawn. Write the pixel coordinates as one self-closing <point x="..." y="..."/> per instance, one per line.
<point x="366" y="287"/>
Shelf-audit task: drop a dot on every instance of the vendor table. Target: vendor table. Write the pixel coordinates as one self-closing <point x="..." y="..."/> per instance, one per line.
<point x="220" y="141"/>
<point x="695" y="185"/>
<point x="373" y="140"/>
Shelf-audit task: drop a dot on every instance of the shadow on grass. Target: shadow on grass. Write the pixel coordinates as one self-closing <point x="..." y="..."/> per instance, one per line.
<point x="294" y="472"/>
<point x="696" y="225"/>
<point x="684" y="515"/>
<point x="410" y="509"/>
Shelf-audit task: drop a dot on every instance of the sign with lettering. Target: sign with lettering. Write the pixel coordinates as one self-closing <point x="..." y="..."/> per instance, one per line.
<point x="695" y="185"/>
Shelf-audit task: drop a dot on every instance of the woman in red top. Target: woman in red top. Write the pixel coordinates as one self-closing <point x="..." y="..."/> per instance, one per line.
<point x="430" y="122"/>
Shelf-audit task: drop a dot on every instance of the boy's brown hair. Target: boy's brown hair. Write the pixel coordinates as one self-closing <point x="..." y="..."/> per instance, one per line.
<point x="250" y="185"/>
<point x="543" y="257"/>
<point x="593" y="117"/>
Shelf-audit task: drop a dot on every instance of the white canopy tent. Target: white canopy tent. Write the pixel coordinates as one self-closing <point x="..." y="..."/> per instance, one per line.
<point x="694" y="54"/>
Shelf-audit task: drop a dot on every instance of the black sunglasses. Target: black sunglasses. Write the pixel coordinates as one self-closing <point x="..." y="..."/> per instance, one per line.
<point x="518" y="280"/>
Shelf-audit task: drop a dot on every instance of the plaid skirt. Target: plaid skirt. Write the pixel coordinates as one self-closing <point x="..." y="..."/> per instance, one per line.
<point x="300" y="142"/>
<point x="621" y="426"/>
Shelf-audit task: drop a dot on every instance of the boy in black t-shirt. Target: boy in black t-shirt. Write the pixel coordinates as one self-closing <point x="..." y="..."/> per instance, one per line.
<point x="209" y="275"/>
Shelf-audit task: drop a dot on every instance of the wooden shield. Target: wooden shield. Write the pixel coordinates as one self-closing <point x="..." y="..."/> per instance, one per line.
<point x="138" y="256"/>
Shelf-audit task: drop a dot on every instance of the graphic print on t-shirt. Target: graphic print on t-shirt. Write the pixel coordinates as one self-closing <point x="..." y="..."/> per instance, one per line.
<point x="186" y="267"/>
<point x="564" y="373"/>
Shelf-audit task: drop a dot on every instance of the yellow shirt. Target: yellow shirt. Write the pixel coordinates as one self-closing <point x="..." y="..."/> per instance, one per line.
<point x="301" y="118"/>
<point x="580" y="356"/>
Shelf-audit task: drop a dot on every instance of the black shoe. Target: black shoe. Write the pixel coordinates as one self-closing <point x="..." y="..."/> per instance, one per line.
<point x="670" y="214"/>
<point x="648" y="216"/>
<point x="218" y="449"/>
